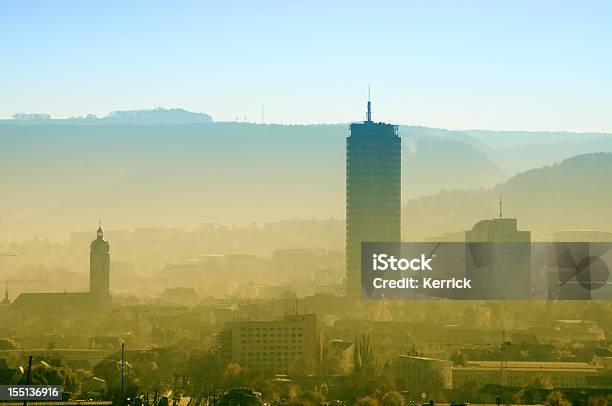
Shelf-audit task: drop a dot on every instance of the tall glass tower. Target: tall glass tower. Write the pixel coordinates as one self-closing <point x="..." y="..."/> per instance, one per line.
<point x="373" y="191"/>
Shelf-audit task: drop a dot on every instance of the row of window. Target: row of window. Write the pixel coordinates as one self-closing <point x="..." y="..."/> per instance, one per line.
<point x="277" y="360"/>
<point x="271" y="328"/>
<point x="277" y="347"/>
<point x="524" y="378"/>
<point x="271" y="335"/>
<point x="250" y="341"/>
<point x="264" y="353"/>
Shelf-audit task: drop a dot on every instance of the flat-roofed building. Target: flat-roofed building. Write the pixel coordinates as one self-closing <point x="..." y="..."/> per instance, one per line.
<point x="419" y="372"/>
<point x="498" y="259"/>
<point x="277" y="345"/>
<point x="520" y="373"/>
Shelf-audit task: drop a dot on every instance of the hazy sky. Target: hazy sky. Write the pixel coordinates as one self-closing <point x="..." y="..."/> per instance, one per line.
<point x="457" y="64"/>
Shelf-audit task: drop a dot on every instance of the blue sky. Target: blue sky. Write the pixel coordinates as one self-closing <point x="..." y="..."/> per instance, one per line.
<point x="516" y="65"/>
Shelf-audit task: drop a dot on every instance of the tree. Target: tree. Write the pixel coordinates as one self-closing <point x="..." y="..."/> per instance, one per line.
<point x="598" y="401"/>
<point x="393" y="398"/>
<point x="364" y="361"/>
<point x="367" y="401"/>
<point x="556" y="398"/>
<point x="312" y="398"/>
<point x="234" y="375"/>
<point x="366" y="379"/>
<point x="45" y="374"/>
<point x="110" y="370"/>
<point x="205" y="369"/>
<point x="543" y="382"/>
<point x="458" y="358"/>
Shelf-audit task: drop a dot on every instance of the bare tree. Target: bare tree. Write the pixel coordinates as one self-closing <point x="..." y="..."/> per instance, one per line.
<point x="364" y="361"/>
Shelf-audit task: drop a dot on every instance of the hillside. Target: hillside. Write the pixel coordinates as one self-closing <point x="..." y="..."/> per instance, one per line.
<point x="572" y="194"/>
<point x="517" y="151"/>
<point x="61" y="175"/>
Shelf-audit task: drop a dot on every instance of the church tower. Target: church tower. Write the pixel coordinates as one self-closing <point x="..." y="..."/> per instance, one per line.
<point x="99" y="266"/>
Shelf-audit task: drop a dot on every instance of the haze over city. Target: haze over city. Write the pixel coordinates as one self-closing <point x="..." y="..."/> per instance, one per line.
<point x="194" y="198"/>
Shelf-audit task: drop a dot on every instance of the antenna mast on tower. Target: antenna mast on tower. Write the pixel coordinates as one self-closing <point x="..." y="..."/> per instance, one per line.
<point x="369" y="116"/>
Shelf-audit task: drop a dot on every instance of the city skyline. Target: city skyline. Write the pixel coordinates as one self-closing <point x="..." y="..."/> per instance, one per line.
<point x="300" y="204"/>
<point x="518" y="66"/>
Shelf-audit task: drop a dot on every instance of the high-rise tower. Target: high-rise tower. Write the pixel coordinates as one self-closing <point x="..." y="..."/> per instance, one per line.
<point x="373" y="191"/>
<point x="99" y="266"/>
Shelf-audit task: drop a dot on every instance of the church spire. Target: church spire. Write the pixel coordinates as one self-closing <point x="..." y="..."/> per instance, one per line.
<point x="100" y="233"/>
<point x="6" y="296"/>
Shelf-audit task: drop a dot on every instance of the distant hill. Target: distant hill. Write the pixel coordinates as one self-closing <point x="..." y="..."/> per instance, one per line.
<point x="517" y="151"/>
<point x="570" y="195"/>
<point x="437" y="159"/>
<point x="158" y="116"/>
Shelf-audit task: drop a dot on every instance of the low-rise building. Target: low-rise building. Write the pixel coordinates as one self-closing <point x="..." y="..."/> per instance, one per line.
<point x="419" y="372"/>
<point x="520" y="373"/>
<point x="272" y="345"/>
